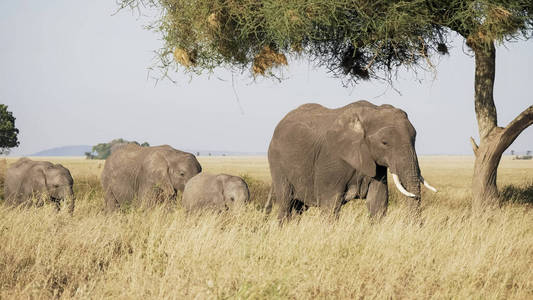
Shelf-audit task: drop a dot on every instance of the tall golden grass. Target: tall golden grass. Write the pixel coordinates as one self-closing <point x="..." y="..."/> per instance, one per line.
<point x="454" y="253"/>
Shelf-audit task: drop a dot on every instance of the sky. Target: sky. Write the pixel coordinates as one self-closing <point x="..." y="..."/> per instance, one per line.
<point x="74" y="73"/>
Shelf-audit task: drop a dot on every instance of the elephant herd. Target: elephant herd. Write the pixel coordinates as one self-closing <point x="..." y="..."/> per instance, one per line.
<point x="317" y="156"/>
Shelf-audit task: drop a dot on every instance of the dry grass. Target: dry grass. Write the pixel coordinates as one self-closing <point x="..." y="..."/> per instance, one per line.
<point x="161" y="254"/>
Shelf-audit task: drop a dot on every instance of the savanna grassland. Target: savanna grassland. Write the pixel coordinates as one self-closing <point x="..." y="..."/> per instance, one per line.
<point x="451" y="252"/>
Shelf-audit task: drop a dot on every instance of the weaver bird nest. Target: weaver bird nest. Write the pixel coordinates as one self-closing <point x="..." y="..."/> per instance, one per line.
<point x="268" y="59"/>
<point x="184" y="57"/>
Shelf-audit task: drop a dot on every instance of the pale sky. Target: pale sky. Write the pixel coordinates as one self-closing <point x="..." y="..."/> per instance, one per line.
<point x="73" y="74"/>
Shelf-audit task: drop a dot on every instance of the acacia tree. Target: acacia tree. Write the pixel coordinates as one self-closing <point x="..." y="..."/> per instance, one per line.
<point x="354" y="39"/>
<point x="8" y="131"/>
<point x="103" y="150"/>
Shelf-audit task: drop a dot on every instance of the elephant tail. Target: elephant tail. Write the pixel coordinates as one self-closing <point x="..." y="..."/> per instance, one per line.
<point x="268" y="204"/>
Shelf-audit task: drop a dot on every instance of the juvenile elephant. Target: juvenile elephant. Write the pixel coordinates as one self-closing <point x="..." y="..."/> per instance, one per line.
<point x="325" y="157"/>
<point x="44" y="181"/>
<point x="152" y="174"/>
<point x="215" y="191"/>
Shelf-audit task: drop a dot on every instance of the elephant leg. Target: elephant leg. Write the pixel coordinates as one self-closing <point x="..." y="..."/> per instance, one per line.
<point x="284" y="194"/>
<point x="337" y="203"/>
<point x="298" y="206"/>
<point x="110" y="200"/>
<point x="56" y="203"/>
<point x="71" y="203"/>
<point x="377" y="199"/>
<point x="330" y="204"/>
<point x="268" y="204"/>
<point x="147" y="195"/>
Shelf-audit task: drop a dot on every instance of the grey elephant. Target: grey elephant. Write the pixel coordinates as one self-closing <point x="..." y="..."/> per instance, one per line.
<point x="146" y="175"/>
<point x="214" y="191"/>
<point x="325" y="157"/>
<point x="43" y="181"/>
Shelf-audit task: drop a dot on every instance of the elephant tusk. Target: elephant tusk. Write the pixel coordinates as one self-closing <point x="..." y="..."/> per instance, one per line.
<point x="426" y="184"/>
<point x="400" y="187"/>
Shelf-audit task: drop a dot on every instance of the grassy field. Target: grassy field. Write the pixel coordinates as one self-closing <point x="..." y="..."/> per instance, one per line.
<point x="455" y="253"/>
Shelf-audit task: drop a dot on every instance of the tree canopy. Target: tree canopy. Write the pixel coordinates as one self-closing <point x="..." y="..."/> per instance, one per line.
<point x="8" y="131"/>
<point x="103" y="150"/>
<point x="354" y="39"/>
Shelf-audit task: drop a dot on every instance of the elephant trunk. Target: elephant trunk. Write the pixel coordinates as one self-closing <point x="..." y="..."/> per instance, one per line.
<point x="72" y="199"/>
<point x="66" y="195"/>
<point x="406" y="175"/>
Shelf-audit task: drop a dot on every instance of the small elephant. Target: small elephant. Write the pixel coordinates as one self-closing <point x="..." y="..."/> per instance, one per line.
<point x="150" y="174"/>
<point x="215" y="191"/>
<point x="325" y="157"/>
<point x="44" y="181"/>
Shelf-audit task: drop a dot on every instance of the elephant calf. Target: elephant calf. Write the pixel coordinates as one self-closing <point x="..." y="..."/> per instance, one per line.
<point x="152" y="174"/>
<point x="41" y="180"/>
<point x="214" y="191"/>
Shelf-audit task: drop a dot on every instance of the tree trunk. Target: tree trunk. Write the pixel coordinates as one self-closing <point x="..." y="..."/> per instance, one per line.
<point x="493" y="139"/>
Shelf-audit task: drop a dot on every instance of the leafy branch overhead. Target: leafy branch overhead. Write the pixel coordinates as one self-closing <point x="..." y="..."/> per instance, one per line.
<point x="353" y="39"/>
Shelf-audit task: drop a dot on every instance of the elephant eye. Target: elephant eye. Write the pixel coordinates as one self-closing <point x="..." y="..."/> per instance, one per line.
<point x="232" y="199"/>
<point x="182" y="173"/>
<point x="384" y="143"/>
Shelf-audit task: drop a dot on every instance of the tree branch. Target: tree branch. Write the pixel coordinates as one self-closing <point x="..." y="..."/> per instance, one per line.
<point x="516" y="126"/>
<point x="474" y="145"/>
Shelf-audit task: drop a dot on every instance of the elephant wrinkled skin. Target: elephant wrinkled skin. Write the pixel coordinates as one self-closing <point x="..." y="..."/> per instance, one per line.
<point x="43" y="181"/>
<point x="146" y="174"/>
<point x="325" y="157"/>
<point x="214" y="191"/>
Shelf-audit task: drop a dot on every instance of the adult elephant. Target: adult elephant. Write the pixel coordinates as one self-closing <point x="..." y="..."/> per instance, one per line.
<point x="43" y="181"/>
<point x="149" y="174"/>
<point x="325" y="157"/>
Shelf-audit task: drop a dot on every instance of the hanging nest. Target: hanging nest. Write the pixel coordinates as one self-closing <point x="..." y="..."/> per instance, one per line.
<point x="498" y="23"/>
<point x="297" y="47"/>
<point x="268" y="59"/>
<point x="293" y="17"/>
<point x="213" y="22"/>
<point x="499" y="14"/>
<point x="184" y="57"/>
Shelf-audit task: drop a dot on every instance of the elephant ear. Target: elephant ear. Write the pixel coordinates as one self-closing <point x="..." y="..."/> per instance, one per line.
<point x="347" y="138"/>
<point x="219" y="191"/>
<point x="36" y="184"/>
<point x="158" y="177"/>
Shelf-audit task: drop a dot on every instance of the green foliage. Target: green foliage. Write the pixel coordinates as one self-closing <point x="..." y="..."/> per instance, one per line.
<point x="8" y="131"/>
<point x="353" y="38"/>
<point x="103" y="150"/>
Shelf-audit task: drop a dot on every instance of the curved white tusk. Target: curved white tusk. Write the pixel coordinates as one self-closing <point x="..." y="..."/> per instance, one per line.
<point x="426" y="184"/>
<point x="400" y="187"/>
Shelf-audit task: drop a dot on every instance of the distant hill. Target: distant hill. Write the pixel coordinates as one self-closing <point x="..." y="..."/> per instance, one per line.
<point x="78" y="150"/>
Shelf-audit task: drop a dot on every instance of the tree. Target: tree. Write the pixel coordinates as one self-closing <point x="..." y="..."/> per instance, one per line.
<point x="103" y="150"/>
<point x="8" y="131"/>
<point x="354" y="39"/>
